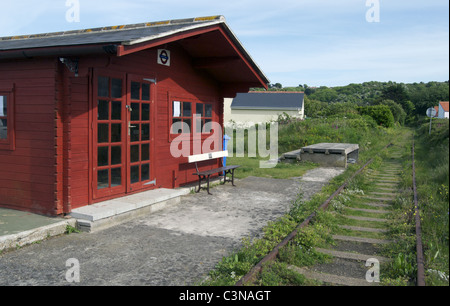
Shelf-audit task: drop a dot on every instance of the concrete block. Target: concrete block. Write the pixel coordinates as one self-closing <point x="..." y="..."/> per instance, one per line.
<point x="35" y="235"/>
<point x="116" y="211"/>
<point x="330" y="154"/>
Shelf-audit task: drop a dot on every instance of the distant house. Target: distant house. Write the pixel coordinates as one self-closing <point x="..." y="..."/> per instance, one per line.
<point x="443" y="110"/>
<point x="247" y="109"/>
<point x="436" y="108"/>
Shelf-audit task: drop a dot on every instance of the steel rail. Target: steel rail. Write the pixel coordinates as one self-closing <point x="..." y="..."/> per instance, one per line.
<point x="419" y="247"/>
<point x="274" y="253"/>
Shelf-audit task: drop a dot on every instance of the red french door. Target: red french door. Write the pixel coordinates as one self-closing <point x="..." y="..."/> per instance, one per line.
<point x="109" y="135"/>
<point x="140" y="165"/>
<point x="122" y="134"/>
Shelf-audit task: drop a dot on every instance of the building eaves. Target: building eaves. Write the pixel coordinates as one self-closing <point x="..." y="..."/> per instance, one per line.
<point x="109" y="39"/>
<point x="123" y="34"/>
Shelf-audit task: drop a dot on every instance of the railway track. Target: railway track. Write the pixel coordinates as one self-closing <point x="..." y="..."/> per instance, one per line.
<point x="361" y="234"/>
<point x="419" y="247"/>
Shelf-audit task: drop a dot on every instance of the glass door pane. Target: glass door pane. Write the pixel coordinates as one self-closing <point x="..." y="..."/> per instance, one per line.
<point x="140" y="128"/>
<point x="109" y="137"/>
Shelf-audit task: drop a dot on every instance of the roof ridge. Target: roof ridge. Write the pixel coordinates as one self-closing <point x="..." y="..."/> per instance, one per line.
<point x="444" y="105"/>
<point x="118" y="27"/>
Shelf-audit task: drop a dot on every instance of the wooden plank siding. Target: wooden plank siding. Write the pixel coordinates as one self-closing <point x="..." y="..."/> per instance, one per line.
<point x="78" y="144"/>
<point x="27" y="180"/>
<point x="50" y="171"/>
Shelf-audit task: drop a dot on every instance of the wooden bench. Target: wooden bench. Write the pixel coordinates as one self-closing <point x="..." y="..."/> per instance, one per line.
<point x="205" y="175"/>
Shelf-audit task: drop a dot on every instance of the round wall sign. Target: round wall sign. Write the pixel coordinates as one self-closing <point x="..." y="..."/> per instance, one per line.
<point x="164" y="57"/>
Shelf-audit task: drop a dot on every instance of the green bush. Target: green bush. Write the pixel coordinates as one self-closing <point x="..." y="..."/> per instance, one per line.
<point x="382" y="114"/>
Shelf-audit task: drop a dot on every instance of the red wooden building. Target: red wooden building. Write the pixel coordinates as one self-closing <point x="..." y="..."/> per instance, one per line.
<point x="85" y="116"/>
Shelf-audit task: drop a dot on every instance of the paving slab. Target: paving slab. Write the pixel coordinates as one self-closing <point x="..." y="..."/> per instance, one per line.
<point x="19" y="228"/>
<point x="14" y="221"/>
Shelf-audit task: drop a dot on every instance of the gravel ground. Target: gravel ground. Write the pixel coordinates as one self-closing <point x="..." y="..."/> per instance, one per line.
<point x="176" y="246"/>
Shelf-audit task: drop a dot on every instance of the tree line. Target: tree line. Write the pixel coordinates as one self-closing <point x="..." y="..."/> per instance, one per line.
<point x="406" y="102"/>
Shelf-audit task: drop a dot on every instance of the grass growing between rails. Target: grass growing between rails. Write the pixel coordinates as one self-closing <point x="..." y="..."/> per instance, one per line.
<point x="402" y="269"/>
<point x="431" y="159"/>
<point x="301" y="251"/>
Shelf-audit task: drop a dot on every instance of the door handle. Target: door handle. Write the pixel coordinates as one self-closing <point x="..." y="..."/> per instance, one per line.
<point x="129" y="128"/>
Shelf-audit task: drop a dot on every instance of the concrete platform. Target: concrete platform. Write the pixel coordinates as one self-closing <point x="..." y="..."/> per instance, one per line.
<point x="291" y="157"/>
<point x="18" y="228"/>
<point x="113" y="212"/>
<point x="330" y="154"/>
<point x="175" y="246"/>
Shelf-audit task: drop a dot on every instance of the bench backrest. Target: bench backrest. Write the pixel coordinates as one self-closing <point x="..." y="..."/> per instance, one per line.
<point x="207" y="156"/>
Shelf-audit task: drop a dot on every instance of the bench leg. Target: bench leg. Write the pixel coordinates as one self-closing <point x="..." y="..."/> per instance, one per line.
<point x="224" y="177"/>
<point x="208" y="184"/>
<point x="232" y="177"/>
<point x="200" y="178"/>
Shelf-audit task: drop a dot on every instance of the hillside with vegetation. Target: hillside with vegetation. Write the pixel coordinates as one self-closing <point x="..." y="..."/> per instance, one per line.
<point x="407" y="102"/>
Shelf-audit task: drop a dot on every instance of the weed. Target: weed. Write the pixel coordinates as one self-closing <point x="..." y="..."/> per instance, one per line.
<point x="278" y="274"/>
<point x="70" y="229"/>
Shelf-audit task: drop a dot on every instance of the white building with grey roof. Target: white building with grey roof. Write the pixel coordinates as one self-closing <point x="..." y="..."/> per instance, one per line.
<point x="247" y="109"/>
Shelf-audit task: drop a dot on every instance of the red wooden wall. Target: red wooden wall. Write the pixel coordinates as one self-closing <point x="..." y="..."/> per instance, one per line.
<point x="179" y="80"/>
<point x="27" y="174"/>
<point x="50" y="170"/>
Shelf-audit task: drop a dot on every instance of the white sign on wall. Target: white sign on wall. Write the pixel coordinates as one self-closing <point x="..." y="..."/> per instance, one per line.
<point x="2" y="106"/>
<point x="163" y="57"/>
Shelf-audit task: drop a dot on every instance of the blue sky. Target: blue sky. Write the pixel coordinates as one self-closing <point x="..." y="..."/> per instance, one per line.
<point x="314" y="42"/>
